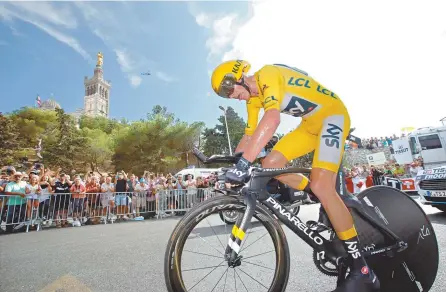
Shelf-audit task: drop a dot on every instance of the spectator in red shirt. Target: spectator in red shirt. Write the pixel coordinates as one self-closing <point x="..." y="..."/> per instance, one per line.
<point x="349" y="182"/>
<point x="368" y="179"/>
<point x="78" y="194"/>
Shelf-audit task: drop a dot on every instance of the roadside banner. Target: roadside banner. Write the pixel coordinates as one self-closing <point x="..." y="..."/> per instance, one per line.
<point x="376" y="158"/>
<point x="402" y="151"/>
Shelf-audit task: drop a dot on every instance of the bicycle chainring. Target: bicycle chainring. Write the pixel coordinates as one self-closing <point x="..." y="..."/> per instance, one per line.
<point x="324" y="266"/>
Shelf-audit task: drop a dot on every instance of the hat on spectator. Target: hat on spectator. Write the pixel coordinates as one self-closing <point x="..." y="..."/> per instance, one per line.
<point x="18" y="173"/>
<point x="10" y="170"/>
<point x="142" y="180"/>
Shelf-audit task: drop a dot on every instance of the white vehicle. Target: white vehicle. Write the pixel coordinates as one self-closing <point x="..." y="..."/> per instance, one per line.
<point x="430" y="144"/>
<point x="432" y="187"/>
<point x="196" y="172"/>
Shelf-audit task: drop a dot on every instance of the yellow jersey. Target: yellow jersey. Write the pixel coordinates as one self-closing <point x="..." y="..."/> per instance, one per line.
<point x="291" y="91"/>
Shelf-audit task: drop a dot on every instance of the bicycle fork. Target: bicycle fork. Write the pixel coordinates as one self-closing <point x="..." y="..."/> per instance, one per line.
<point x="239" y="232"/>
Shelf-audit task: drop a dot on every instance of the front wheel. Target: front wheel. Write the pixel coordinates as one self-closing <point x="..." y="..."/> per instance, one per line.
<point x="176" y="272"/>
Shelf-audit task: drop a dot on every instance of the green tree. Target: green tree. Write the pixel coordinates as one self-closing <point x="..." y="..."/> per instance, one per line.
<point x="32" y="124"/>
<point x="66" y="149"/>
<point x="8" y="140"/>
<point x="159" y="143"/>
<point x="101" y="123"/>
<point x="216" y="140"/>
<point x="98" y="149"/>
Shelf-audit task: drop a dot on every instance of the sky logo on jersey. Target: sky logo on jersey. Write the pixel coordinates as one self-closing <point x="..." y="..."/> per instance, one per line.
<point x="299" y="107"/>
<point x="333" y="138"/>
<point x="299" y="82"/>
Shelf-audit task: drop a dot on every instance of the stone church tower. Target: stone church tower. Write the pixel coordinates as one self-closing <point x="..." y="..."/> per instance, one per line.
<point x="97" y="92"/>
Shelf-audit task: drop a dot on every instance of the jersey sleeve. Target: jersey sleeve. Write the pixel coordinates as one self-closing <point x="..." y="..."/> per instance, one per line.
<point x="269" y="80"/>
<point x="253" y="106"/>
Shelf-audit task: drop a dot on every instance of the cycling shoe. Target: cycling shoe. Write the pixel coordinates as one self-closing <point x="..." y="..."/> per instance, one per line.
<point x="358" y="281"/>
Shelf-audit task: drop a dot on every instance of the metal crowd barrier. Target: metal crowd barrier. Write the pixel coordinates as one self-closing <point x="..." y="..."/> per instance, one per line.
<point x="34" y="212"/>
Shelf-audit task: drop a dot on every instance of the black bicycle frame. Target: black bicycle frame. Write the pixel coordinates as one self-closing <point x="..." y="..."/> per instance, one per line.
<point x="256" y="190"/>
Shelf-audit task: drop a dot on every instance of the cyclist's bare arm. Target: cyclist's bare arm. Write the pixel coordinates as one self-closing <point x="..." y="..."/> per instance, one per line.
<point x="263" y="133"/>
<point x="253" y="106"/>
<point x="243" y="143"/>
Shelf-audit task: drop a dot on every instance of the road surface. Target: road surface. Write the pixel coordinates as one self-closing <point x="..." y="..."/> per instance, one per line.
<point x="129" y="257"/>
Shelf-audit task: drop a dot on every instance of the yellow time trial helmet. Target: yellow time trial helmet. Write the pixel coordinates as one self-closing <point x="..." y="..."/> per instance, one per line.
<point x="227" y="75"/>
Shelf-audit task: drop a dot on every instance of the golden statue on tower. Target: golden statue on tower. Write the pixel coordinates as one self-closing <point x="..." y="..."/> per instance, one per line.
<point x="100" y="58"/>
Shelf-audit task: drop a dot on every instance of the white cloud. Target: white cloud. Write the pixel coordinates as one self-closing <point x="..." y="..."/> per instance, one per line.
<point x="121" y="31"/>
<point x="46" y="11"/>
<point x="385" y="59"/>
<point x="9" y="15"/>
<point x="203" y="19"/>
<point x="128" y="66"/>
<point x="124" y="60"/>
<point x="135" y="80"/>
<point x="223" y="30"/>
<point x="164" y="77"/>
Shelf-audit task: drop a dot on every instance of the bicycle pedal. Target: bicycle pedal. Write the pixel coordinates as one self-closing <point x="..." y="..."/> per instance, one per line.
<point x="317" y="226"/>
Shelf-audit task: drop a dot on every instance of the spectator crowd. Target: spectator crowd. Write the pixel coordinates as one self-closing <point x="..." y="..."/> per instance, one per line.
<point x="359" y="177"/>
<point x="43" y="197"/>
<point x="54" y="197"/>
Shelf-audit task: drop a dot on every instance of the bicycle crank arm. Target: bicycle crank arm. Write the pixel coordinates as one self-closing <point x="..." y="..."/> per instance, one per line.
<point x="239" y="231"/>
<point x="299" y="203"/>
<point x="388" y="250"/>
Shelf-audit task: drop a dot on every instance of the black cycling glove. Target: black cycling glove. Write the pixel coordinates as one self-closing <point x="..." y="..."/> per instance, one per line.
<point x="240" y="172"/>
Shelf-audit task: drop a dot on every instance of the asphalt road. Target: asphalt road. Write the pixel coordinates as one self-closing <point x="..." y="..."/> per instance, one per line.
<point x="129" y="257"/>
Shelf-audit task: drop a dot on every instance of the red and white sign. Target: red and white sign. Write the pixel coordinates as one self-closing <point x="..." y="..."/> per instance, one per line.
<point x="408" y="184"/>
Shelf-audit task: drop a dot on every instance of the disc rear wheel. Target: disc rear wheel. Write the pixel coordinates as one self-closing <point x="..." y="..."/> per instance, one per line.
<point x="413" y="269"/>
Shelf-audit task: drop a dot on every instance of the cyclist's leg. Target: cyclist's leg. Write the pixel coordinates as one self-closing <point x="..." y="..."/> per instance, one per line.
<point x="295" y="144"/>
<point x="326" y="162"/>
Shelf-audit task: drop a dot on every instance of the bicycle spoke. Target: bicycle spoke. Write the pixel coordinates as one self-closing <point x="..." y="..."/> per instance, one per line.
<point x="259" y="254"/>
<point x="209" y="244"/>
<point x="245" y="240"/>
<point x="254" y="242"/>
<point x="235" y="282"/>
<point x="258" y="265"/>
<point x="196" y="269"/>
<point x="226" y="278"/>
<point x="241" y="280"/>
<point x="209" y="255"/>
<point x="207" y="275"/>
<point x="253" y="279"/>
<point x="215" y="233"/>
<point x="220" y="279"/>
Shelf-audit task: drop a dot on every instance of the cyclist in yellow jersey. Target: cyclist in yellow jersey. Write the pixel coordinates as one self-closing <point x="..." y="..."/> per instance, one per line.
<point x="324" y="128"/>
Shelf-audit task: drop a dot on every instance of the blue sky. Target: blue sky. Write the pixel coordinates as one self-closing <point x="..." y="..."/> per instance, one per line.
<point x="380" y="69"/>
<point x="48" y="48"/>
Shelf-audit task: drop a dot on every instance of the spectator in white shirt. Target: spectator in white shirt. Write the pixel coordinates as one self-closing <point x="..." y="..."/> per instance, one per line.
<point x="414" y="169"/>
<point x="107" y="198"/>
<point x="140" y="195"/>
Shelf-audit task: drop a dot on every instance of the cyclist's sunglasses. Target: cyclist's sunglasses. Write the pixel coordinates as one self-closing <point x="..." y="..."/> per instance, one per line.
<point x="226" y="87"/>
